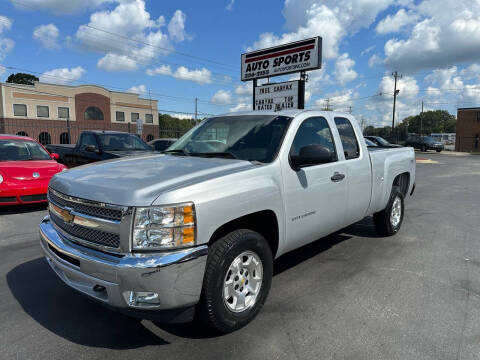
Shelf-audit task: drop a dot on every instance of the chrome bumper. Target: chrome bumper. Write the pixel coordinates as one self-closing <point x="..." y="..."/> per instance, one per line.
<point x="176" y="276"/>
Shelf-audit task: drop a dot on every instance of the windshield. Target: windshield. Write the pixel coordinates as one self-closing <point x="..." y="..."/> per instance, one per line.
<point x="118" y="142"/>
<point x="247" y="137"/>
<point x="428" y="139"/>
<point x="382" y="141"/>
<point x="15" y="150"/>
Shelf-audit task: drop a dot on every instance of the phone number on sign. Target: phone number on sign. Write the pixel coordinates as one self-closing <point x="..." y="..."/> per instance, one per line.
<point x="257" y="74"/>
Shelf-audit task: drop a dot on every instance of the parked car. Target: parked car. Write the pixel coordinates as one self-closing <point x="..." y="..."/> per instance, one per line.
<point x="97" y="145"/>
<point x="26" y="168"/>
<point x="196" y="229"/>
<point x="161" y="144"/>
<point x="424" y="143"/>
<point x="380" y="141"/>
<point x="370" y="143"/>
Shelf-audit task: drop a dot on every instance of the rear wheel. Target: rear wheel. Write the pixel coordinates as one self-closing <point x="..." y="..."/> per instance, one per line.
<point x="237" y="280"/>
<point x="438" y="150"/>
<point x="388" y="221"/>
<point x="423" y="148"/>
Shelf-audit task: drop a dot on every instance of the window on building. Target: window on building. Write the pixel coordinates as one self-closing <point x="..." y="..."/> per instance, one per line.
<point x="120" y="116"/>
<point x="19" y="110"/>
<point x="64" y="138"/>
<point x="478" y="116"/>
<point x="149" y="137"/>
<point x="149" y="118"/>
<point x="44" y="138"/>
<point x="349" y="140"/>
<point x="93" y="113"/>
<point x="135" y="117"/>
<point x="43" y="111"/>
<point x="63" y="113"/>
<point x="22" y="133"/>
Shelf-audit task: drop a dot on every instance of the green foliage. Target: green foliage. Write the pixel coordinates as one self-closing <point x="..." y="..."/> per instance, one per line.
<point x="438" y="121"/>
<point x="22" y="78"/>
<point x="173" y="127"/>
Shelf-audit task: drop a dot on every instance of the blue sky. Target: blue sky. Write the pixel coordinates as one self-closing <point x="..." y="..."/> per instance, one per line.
<point x="176" y="51"/>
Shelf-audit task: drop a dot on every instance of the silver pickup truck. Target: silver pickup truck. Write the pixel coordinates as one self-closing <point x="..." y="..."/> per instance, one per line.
<point x="194" y="231"/>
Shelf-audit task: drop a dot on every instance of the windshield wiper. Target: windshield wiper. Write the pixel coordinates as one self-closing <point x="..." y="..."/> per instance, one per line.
<point x="220" y="154"/>
<point x="176" y="151"/>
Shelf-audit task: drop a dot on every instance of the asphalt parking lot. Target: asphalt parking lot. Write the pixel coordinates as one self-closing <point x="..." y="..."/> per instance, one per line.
<point x="351" y="295"/>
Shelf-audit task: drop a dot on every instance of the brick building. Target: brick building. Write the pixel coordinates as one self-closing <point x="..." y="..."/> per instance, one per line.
<point x="54" y="113"/>
<point x="468" y="130"/>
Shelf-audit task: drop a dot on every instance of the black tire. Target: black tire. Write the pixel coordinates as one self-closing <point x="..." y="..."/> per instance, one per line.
<point x="382" y="219"/>
<point x="438" y="150"/>
<point x="212" y="309"/>
<point x="423" y="148"/>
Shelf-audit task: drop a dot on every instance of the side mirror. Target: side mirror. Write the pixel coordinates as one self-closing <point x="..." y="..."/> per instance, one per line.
<point x="91" y="148"/>
<point x="312" y="155"/>
<point x="55" y="156"/>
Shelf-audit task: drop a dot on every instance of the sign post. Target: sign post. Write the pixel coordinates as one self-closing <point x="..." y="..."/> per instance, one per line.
<point x="295" y="57"/>
<point x="139" y="127"/>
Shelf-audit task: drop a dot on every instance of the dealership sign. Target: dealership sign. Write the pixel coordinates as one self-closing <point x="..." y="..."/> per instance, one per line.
<point x="284" y="59"/>
<point x="280" y="96"/>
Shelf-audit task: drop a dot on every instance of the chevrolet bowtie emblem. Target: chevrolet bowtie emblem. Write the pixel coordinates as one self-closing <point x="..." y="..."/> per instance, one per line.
<point x="67" y="216"/>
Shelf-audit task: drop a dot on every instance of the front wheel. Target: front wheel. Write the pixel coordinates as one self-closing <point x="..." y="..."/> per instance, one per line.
<point x="388" y="221"/>
<point x="423" y="148"/>
<point x="438" y="150"/>
<point x="237" y="280"/>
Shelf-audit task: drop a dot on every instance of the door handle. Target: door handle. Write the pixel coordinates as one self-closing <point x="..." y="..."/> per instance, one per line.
<point x="336" y="177"/>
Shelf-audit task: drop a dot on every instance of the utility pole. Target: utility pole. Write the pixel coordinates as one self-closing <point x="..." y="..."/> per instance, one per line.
<point x="196" y="113"/>
<point x="395" y="93"/>
<point x="350" y="109"/>
<point x="327" y="105"/>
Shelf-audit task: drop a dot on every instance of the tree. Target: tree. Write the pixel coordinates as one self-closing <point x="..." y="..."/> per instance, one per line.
<point x="22" y="78"/>
<point x="173" y="127"/>
<point x="438" y="121"/>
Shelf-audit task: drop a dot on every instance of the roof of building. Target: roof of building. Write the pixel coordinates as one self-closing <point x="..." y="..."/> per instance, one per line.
<point x="469" y="108"/>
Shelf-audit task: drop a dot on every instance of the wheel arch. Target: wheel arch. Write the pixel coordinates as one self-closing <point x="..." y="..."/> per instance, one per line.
<point x="265" y="222"/>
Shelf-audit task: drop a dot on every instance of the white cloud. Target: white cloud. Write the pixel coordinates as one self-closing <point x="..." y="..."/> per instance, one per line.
<point x="114" y="62"/>
<point x="367" y="50"/>
<point x="245" y="88"/>
<point x="393" y="23"/>
<point x="332" y="19"/>
<point x="176" y="26"/>
<point x="2" y="70"/>
<point x="47" y="35"/>
<point x="344" y="69"/>
<point x="243" y="106"/>
<point x="129" y="36"/>
<point x="229" y="6"/>
<point x="338" y="100"/>
<point x="222" y="97"/>
<point x="6" y="44"/>
<point x="374" y="60"/>
<point x="59" y="6"/>
<point x="448" y="34"/>
<point x="139" y="89"/>
<point x="471" y="72"/>
<point x="200" y="76"/>
<point x="445" y="78"/>
<point x="63" y="75"/>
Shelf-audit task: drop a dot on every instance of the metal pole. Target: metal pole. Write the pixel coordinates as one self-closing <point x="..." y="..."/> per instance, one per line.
<point x="421" y="122"/>
<point x="68" y="127"/>
<point x="254" y="86"/>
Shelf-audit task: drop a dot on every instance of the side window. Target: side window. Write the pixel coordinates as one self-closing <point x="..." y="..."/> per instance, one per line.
<point x="349" y="140"/>
<point x="88" y="140"/>
<point x="313" y="131"/>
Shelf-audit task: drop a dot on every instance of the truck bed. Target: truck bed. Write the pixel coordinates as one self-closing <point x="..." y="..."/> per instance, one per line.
<point x="388" y="162"/>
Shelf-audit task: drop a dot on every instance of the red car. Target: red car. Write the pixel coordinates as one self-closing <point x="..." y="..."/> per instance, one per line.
<point x="26" y="168"/>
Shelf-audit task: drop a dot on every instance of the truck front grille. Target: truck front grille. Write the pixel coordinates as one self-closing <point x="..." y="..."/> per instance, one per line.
<point x="89" y="208"/>
<point x="94" y="236"/>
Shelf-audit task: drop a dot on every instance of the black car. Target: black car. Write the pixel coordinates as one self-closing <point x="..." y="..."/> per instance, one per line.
<point x="424" y="143"/>
<point x="379" y="141"/>
<point x="161" y="144"/>
<point x="97" y="145"/>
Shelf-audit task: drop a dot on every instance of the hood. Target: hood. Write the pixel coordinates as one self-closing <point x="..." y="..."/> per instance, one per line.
<point x="122" y="153"/>
<point x="138" y="181"/>
<point x="23" y="170"/>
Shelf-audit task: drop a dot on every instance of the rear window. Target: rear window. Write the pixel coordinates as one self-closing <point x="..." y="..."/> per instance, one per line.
<point x="18" y="150"/>
<point x="349" y="140"/>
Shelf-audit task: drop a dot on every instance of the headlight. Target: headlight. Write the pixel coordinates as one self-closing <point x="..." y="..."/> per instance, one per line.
<point x="156" y="228"/>
<point x="1" y="179"/>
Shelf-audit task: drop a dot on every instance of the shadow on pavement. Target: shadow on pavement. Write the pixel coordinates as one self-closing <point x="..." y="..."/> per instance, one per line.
<point x="22" y="209"/>
<point x="76" y="318"/>
<point x="71" y="315"/>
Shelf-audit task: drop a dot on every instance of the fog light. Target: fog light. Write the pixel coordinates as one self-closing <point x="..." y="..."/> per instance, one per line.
<point x="141" y="298"/>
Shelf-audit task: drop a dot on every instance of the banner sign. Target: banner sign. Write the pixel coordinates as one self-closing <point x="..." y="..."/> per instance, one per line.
<point x="284" y="59"/>
<point x="280" y="96"/>
<point x="139" y="126"/>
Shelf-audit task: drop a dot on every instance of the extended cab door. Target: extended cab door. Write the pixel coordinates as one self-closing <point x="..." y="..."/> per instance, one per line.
<point x="359" y="169"/>
<point x="315" y="195"/>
